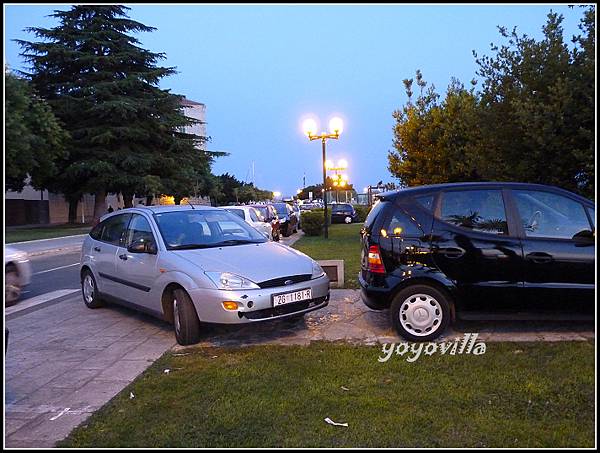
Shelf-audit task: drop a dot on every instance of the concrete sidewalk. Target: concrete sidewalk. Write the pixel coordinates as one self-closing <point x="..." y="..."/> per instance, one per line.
<point x="66" y="244"/>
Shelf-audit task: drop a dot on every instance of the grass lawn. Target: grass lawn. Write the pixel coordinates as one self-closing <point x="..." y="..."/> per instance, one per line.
<point x="343" y="244"/>
<point x="44" y="232"/>
<point x="514" y="395"/>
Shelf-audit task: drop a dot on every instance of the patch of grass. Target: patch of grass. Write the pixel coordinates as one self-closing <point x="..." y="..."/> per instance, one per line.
<point x="514" y="395"/>
<point x="44" y="232"/>
<point x="343" y="244"/>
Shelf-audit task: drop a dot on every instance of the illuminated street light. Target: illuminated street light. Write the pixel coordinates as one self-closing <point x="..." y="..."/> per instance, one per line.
<point x="276" y="194"/>
<point x="336" y="126"/>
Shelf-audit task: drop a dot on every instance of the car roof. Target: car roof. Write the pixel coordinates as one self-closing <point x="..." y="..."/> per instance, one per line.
<point x="163" y="208"/>
<point x="410" y="191"/>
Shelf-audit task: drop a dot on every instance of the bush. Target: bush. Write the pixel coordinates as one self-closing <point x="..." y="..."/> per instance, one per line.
<point x="312" y="222"/>
<point x="362" y="212"/>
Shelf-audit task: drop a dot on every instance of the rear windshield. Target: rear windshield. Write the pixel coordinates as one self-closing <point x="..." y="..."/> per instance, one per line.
<point x="342" y="207"/>
<point x="237" y="212"/>
<point x="374" y="212"/>
<point x="281" y="209"/>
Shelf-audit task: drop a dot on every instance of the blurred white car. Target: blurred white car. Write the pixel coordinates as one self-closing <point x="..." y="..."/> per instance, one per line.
<point x="254" y="218"/>
<point x="17" y="274"/>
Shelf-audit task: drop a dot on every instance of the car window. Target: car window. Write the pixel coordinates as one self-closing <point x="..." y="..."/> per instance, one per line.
<point x="399" y="224"/>
<point x="477" y="210"/>
<point x="97" y="231"/>
<point x="426" y="201"/>
<point x="113" y="229"/>
<point x="253" y="215"/>
<point x="374" y="212"/>
<point x="204" y="228"/>
<point x="549" y="215"/>
<point x="238" y="212"/>
<point x="139" y="229"/>
<point x="342" y="207"/>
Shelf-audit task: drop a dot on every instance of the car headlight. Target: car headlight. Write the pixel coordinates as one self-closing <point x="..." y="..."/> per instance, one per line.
<point x="317" y="270"/>
<point x="227" y="280"/>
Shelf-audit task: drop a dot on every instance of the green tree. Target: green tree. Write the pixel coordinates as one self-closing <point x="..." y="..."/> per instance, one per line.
<point x="34" y="139"/>
<point x="126" y="132"/>
<point x="537" y="107"/>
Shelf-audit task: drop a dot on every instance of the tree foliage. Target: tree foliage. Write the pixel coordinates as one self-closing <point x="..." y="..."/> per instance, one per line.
<point x="533" y="113"/>
<point x="126" y="133"/>
<point x="34" y="140"/>
<point x="232" y="190"/>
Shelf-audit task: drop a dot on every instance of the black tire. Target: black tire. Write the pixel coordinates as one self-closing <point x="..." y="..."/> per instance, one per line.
<point x="185" y="319"/>
<point x="95" y="301"/>
<point x="286" y="231"/>
<point x="403" y="301"/>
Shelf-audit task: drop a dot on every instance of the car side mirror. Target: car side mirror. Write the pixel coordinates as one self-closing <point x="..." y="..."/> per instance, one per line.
<point x="143" y="246"/>
<point x="585" y="237"/>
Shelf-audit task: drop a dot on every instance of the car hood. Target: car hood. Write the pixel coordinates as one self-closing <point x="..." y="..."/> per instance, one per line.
<point x="257" y="262"/>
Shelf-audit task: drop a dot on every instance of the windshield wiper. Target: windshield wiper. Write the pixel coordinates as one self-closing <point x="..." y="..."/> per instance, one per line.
<point x="190" y="246"/>
<point x="236" y="242"/>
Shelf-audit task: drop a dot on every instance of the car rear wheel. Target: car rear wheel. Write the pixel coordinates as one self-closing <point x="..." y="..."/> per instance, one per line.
<point x="420" y="313"/>
<point x="89" y="290"/>
<point x="185" y="319"/>
<point x="12" y="285"/>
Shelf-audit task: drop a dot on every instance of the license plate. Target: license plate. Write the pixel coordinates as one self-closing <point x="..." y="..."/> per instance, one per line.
<point x="288" y="298"/>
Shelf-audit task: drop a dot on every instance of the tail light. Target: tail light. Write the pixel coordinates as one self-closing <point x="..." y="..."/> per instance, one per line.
<point x="375" y="264"/>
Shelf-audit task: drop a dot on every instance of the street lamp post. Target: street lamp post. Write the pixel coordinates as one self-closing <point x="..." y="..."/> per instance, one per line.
<point x="335" y="129"/>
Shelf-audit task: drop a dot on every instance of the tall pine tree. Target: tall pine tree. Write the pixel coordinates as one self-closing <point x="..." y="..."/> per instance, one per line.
<point x="126" y="133"/>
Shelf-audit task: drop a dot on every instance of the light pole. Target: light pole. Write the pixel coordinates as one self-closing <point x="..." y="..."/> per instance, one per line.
<point x="335" y="128"/>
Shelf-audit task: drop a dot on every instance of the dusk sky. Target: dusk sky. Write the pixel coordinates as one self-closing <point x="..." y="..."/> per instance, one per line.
<point x="261" y="69"/>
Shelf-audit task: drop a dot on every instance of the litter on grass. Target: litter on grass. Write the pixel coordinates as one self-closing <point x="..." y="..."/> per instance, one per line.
<point x="331" y="422"/>
<point x="131" y="395"/>
<point x="344" y="388"/>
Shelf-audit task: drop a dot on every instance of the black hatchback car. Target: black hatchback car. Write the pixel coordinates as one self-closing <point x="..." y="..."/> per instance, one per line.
<point x="341" y="211"/>
<point x="430" y="251"/>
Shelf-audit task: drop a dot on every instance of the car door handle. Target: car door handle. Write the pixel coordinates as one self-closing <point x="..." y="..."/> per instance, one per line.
<point x="123" y="257"/>
<point x="452" y="252"/>
<point x="539" y="257"/>
<point x="96" y="249"/>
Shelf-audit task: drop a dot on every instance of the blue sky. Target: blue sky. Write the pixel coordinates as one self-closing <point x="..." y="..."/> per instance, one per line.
<point x="261" y="68"/>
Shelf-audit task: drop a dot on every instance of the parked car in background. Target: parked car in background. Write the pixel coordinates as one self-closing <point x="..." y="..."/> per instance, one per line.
<point x="297" y="213"/>
<point x="253" y="217"/>
<point x="432" y="251"/>
<point x="17" y="274"/>
<point x="288" y="223"/>
<point x="269" y="215"/>
<point x="192" y="265"/>
<point x="343" y="213"/>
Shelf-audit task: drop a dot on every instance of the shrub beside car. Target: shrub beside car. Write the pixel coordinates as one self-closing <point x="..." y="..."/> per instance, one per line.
<point x="362" y="212"/>
<point x="312" y="222"/>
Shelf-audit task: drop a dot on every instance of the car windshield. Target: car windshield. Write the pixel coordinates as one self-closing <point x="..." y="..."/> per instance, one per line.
<point x="281" y="209"/>
<point x="195" y="229"/>
<point x="262" y="210"/>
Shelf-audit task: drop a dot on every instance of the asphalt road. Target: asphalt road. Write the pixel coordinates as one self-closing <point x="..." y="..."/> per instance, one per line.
<point x="51" y="272"/>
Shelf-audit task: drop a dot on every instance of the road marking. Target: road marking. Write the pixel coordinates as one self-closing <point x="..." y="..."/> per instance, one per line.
<point x="37" y="300"/>
<point x="56" y="268"/>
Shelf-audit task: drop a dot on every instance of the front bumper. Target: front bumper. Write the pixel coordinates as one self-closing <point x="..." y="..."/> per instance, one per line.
<point x="209" y="302"/>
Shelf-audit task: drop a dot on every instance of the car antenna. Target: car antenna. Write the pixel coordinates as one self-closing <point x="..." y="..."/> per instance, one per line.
<point x="188" y="202"/>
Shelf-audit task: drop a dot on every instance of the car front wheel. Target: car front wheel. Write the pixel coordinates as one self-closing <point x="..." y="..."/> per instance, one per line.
<point x="420" y="313"/>
<point x="185" y="319"/>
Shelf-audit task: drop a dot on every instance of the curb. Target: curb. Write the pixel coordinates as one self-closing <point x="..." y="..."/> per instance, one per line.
<point x="58" y="251"/>
<point x="47" y="239"/>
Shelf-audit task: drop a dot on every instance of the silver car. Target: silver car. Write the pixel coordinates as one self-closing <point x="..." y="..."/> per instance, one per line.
<point x="193" y="264"/>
